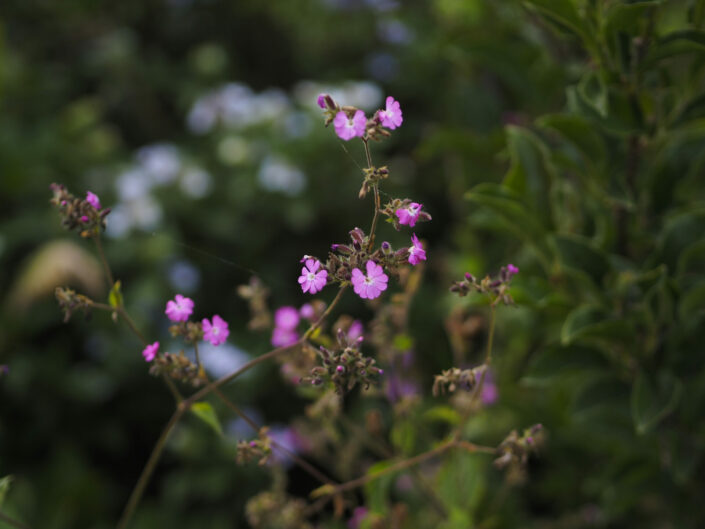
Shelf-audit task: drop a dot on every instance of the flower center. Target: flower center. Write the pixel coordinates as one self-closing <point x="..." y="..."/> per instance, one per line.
<point x="311" y="276"/>
<point x="369" y="280"/>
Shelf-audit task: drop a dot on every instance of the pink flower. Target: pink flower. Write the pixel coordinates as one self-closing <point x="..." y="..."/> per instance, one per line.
<point x="391" y="116"/>
<point x="321" y="101"/>
<point x="311" y="280"/>
<point x="356" y="330"/>
<point x="215" y="332"/>
<point x="283" y="337"/>
<point x="416" y="252"/>
<point x="150" y="351"/>
<point x="307" y="311"/>
<point x="84" y="219"/>
<point x="512" y="269"/>
<point x="179" y="309"/>
<point x="369" y="286"/>
<point x="348" y="128"/>
<point x="359" y="515"/>
<point x="410" y="214"/>
<point x="286" y="318"/>
<point x="93" y="199"/>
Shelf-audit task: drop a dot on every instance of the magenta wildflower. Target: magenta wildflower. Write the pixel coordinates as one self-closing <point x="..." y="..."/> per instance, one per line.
<point x="348" y="128"/>
<point x="311" y="279"/>
<point x="369" y="286"/>
<point x="391" y="116"/>
<point x="215" y="331"/>
<point x="410" y="214"/>
<point x="307" y="311"/>
<point x="416" y="251"/>
<point x="356" y="330"/>
<point x="179" y="309"/>
<point x="85" y="219"/>
<point x="93" y="199"/>
<point x="286" y="318"/>
<point x="512" y="269"/>
<point x="150" y="351"/>
<point x="321" y="101"/>
<point x="283" y="337"/>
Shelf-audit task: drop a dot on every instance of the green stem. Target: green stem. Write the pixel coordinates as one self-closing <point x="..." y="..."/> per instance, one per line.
<point x="144" y="478"/>
<point x="101" y="254"/>
<point x="375" y="188"/>
<point x="330" y="308"/>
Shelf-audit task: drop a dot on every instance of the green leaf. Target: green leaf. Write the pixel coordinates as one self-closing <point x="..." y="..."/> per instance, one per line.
<point x="443" y="413"/>
<point x="5" y="487"/>
<point x="115" y="295"/>
<point x="564" y="361"/>
<point x="530" y="173"/>
<point x="593" y="91"/>
<point x="461" y="482"/>
<point x="205" y="412"/>
<point x="653" y="400"/>
<point x="588" y="322"/>
<point x="377" y="489"/>
<point x="579" y="253"/>
<point x="679" y="233"/>
<point x="579" y="132"/>
<point x="675" y="43"/>
<point x="564" y="12"/>
<point x="692" y="301"/>
<point x="515" y="215"/>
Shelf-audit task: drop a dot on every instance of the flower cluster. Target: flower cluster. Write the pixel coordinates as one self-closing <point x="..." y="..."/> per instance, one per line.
<point x="260" y="449"/>
<point x="350" y="122"/>
<point x="345" y="366"/>
<point x="70" y="301"/>
<point x="514" y="451"/>
<point x="86" y="215"/>
<point x="404" y="212"/>
<point x="497" y="288"/>
<point x="176" y="366"/>
<point x="454" y="378"/>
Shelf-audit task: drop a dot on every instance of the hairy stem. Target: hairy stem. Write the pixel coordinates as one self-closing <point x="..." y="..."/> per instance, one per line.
<point x="144" y="478"/>
<point x="375" y="188"/>
<point x="106" y="266"/>
<point x="330" y="308"/>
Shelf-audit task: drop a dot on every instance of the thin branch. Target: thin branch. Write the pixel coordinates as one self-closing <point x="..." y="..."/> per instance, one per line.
<point x="149" y="467"/>
<point x="330" y="308"/>
<point x="106" y="266"/>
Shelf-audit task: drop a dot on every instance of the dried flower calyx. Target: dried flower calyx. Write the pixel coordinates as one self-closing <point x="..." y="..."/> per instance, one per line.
<point x="515" y="449"/>
<point x="259" y="449"/>
<point x="497" y="288"/>
<point x="450" y="380"/>
<point x="86" y="215"/>
<point x="345" y="366"/>
<point x="69" y="302"/>
<point x="177" y="366"/>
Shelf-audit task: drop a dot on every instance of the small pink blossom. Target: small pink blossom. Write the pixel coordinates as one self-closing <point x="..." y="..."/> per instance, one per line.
<point x="312" y="279"/>
<point x="84" y="219"/>
<point x="150" y="351"/>
<point x="416" y="251"/>
<point x="391" y="116"/>
<point x="215" y="332"/>
<point x="369" y="286"/>
<point x="286" y="318"/>
<point x="410" y="214"/>
<point x="356" y="330"/>
<point x="93" y="199"/>
<point x="283" y="337"/>
<point x="306" y="311"/>
<point x="179" y="309"/>
<point x="348" y="128"/>
<point x="321" y="101"/>
<point x="512" y="269"/>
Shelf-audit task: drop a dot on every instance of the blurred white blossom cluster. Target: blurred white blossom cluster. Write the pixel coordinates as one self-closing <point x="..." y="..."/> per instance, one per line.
<point x="249" y="129"/>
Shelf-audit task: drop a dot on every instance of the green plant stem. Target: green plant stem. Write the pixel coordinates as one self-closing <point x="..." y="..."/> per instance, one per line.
<point x="101" y="254"/>
<point x="144" y="478"/>
<point x="320" y="320"/>
<point x="375" y="188"/>
<point x="14" y="523"/>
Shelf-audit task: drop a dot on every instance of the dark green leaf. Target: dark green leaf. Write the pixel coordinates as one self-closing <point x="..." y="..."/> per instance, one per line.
<point x="563" y="361"/>
<point x="653" y="400"/>
<point x="591" y="323"/>
<point x="579" y="253"/>
<point x="377" y="489"/>
<point x="593" y="91"/>
<point x="580" y="133"/>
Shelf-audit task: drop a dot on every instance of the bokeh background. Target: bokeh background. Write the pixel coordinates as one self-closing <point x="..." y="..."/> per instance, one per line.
<point x="565" y="137"/>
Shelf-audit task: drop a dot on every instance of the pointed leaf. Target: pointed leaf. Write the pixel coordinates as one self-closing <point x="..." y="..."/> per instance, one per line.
<point x="653" y="400"/>
<point x="115" y="296"/>
<point x="205" y="412"/>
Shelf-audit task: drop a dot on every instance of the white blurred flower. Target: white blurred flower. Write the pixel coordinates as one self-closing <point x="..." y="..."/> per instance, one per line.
<point x="119" y="222"/>
<point x="276" y="174"/>
<point x="160" y="161"/>
<point x="195" y="182"/>
<point x="132" y="184"/>
<point x="183" y="276"/>
<point x="203" y="115"/>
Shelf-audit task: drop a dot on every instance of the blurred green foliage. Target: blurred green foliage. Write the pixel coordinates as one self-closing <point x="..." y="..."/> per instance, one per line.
<point x="565" y="136"/>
